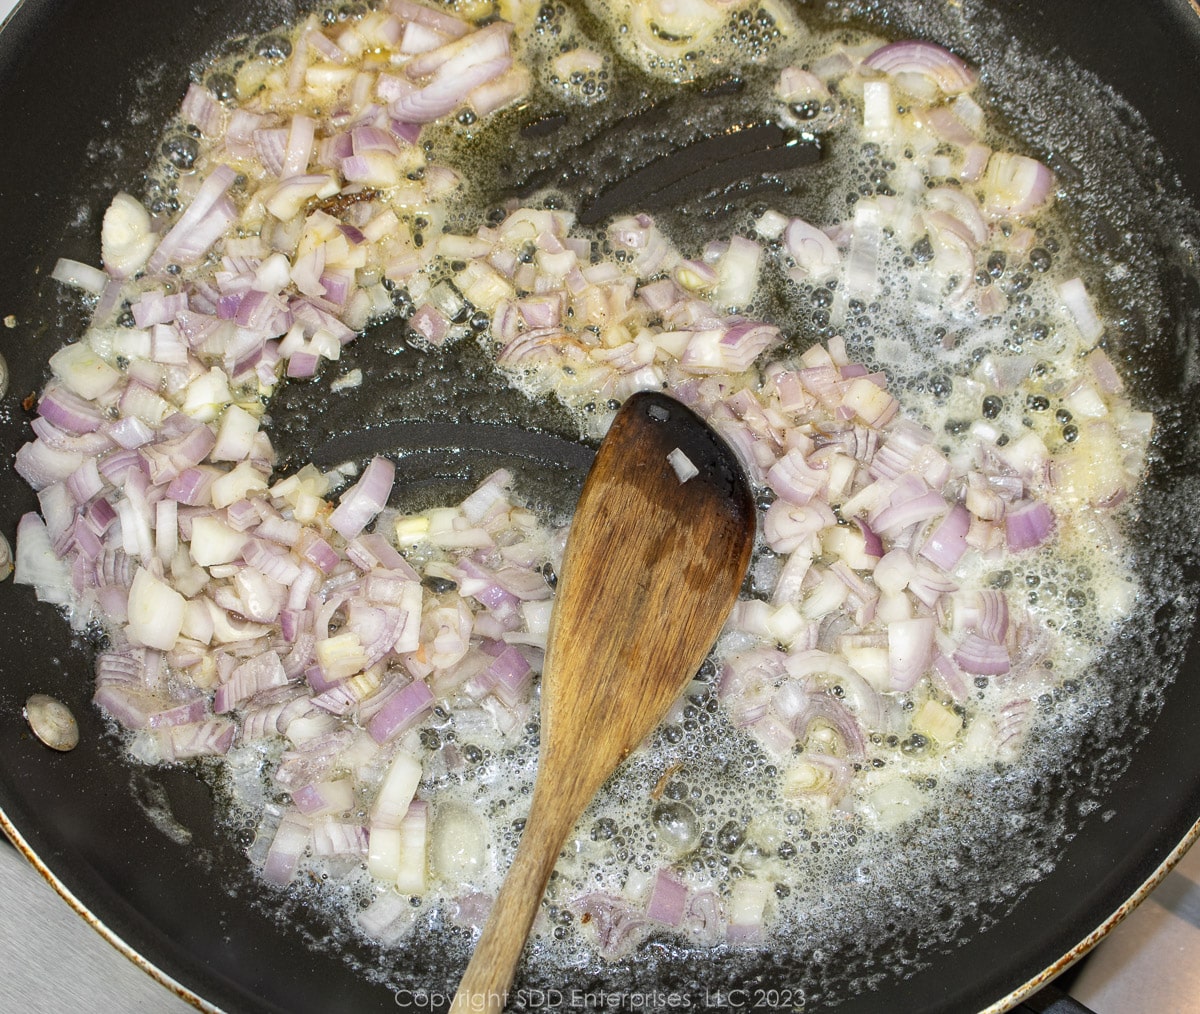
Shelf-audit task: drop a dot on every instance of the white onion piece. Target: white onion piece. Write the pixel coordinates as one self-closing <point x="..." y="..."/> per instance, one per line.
<point x="862" y="261"/>
<point x="878" y="114"/>
<point x="748" y="899"/>
<point x="412" y="864"/>
<point x="37" y="565"/>
<point x="816" y="255"/>
<point x="287" y="848"/>
<point x="665" y="28"/>
<point x="235" y="435"/>
<point x="396" y="791"/>
<point x="155" y="612"/>
<point x="737" y="272"/>
<point x="126" y="237"/>
<point x="682" y="465"/>
<point x="81" y="276"/>
<point x="910" y="649"/>
<point x="84" y="372"/>
<point x="213" y="542"/>
<point x="1078" y="304"/>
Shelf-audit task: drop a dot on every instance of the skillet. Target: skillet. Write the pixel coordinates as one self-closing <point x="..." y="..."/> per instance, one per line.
<point x="135" y="849"/>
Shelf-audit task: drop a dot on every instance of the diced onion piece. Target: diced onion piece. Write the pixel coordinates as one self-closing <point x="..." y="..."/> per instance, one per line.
<point x="234" y="485"/>
<point x="799" y="85"/>
<point x="213" y="542"/>
<point x="684" y="467"/>
<point x="850" y="544"/>
<point x="537" y="617"/>
<point x="870" y="402"/>
<point x="748" y="899"/>
<point x="828" y="594"/>
<point x="787" y="624"/>
<point x="200" y="225"/>
<point x="396" y="791"/>
<point x="878" y="111"/>
<point x="982" y="657"/>
<point x="871" y="663"/>
<point x="910" y="648"/>
<point x="666" y="27"/>
<point x="262" y="672"/>
<point x="1027" y="456"/>
<point x="372" y="169"/>
<point x="83" y="371"/>
<point x="1085" y="402"/>
<point x="401" y="712"/>
<point x="511" y="86"/>
<point x="155" y="612"/>
<point x="926" y="59"/>
<point x="1078" y="304"/>
<point x="815" y="254"/>
<point x="166" y="529"/>
<point x="770" y="224"/>
<point x="383" y="853"/>
<point x="895" y="801"/>
<point x="862" y="260"/>
<point x="81" y="276"/>
<point x="668" y="899"/>
<point x="412" y="861"/>
<point x="235" y="435"/>
<point x="366" y="498"/>
<point x="348" y="381"/>
<point x="207" y="395"/>
<point x="737" y="272"/>
<point x="1105" y="373"/>
<point x="816" y="776"/>
<point x="287" y="849"/>
<point x="1016" y="185"/>
<point x="328" y="797"/>
<point x="947" y="542"/>
<point x="291" y="194"/>
<point x="1030" y="525"/>
<point x="37" y="565"/>
<point x="126" y="236"/>
<point x="341" y="655"/>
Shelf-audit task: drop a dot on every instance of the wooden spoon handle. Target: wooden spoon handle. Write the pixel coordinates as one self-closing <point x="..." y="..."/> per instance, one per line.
<point x="488" y="978"/>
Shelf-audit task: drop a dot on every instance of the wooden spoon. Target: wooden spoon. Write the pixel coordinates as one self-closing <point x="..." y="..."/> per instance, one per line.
<point x="652" y="567"/>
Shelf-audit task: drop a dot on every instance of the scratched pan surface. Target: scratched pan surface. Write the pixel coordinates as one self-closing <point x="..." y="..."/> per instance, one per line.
<point x="82" y="87"/>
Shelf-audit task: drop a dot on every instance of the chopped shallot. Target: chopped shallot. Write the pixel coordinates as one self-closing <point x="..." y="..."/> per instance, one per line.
<point x="250" y="617"/>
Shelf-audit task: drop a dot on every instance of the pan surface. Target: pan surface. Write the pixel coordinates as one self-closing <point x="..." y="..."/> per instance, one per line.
<point x="82" y="93"/>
